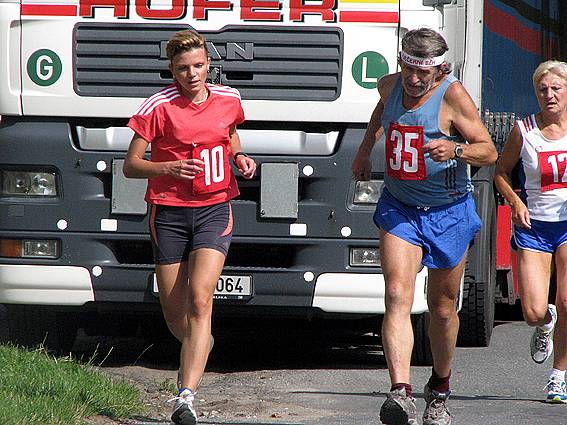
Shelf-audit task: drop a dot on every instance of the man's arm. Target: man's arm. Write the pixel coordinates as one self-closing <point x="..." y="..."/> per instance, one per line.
<point x="361" y="165"/>
<point x="458" y="114"/>
<point x="464" y="116"/>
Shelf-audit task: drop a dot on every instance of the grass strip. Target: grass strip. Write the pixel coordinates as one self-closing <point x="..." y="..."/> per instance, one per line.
<point x="36" y="388"/>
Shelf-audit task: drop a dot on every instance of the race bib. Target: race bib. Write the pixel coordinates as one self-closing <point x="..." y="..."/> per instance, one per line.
<point x="553" y="169"/>
<point x="404" y="152"/>
<point x="216" y="169"/>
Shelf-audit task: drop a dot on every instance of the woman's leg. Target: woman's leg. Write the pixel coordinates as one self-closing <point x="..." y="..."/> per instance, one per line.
<point x="534" y="273"/>
<point x="173" y="296"/>
<point x="560" y="333"/>
<point x="204" y="268"/>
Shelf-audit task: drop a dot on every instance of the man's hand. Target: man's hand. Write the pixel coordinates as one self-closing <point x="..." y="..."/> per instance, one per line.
<point x="361" y="166"/>
<point x="440" y="149"/>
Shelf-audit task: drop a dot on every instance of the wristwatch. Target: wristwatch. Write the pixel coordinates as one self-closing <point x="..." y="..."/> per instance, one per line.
<point x="458" y="150"/>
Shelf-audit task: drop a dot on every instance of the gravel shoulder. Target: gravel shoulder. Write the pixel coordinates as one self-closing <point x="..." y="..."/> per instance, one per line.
<point x="248" y="381"/>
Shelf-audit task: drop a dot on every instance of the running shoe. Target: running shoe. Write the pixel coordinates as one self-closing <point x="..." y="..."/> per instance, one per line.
<point x="398" y="409"/>
<point x="436" y="412"/>
<point x="541" y="344"/>
<point x="556" y="391"/>
<point x="183" y="411"/>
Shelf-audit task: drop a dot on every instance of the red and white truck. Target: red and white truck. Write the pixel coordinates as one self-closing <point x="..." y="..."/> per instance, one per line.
<point x="74" y="244"/>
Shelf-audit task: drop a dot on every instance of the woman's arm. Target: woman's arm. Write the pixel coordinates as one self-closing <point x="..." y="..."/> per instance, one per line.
<point x="246" y="165"/>
<point x="137" y="167"/>
<point x="502" y="178"/>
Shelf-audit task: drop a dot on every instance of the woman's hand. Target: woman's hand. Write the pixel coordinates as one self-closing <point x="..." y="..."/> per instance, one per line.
<point x="520" y="215"/>
<point x="185" y="169"/>
<point x="246" y="166"/>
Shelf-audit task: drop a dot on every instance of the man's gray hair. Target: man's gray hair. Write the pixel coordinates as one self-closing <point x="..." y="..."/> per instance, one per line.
<point x="426" y="43"/>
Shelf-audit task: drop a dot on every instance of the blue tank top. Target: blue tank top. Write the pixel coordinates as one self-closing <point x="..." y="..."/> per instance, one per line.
<point x="411" y="175"/>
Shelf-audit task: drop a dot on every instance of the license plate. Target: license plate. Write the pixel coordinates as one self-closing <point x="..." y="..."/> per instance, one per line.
<point x="228" y="287"/>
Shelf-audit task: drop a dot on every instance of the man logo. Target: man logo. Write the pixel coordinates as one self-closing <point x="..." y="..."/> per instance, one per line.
<point x="222" y="51"/>
<point x="234" y="51"/>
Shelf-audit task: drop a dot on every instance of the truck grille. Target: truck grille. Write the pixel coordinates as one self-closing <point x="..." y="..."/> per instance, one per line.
<point x="263" y="63"/>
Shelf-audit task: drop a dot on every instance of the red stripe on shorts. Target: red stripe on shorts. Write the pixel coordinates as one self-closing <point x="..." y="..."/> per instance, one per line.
<point x="153" y="223"/>
<point x="229" y="225"/>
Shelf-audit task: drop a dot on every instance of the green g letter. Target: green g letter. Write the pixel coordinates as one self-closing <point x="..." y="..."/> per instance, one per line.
<point x="44" y="67"/>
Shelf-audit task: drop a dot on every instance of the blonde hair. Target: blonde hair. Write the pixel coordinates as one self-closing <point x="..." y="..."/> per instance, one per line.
<point x="552" y="66"/>
<point x="184" y="41"/>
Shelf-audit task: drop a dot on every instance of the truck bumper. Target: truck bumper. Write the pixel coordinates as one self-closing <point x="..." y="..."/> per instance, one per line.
<point x="47" y="285"/>
<point x="361" y="293"/>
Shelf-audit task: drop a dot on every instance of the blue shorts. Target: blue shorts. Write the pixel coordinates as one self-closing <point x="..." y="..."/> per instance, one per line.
<point x="176" y="231"/>
<point x="544" y="236"/>
<point x="444" y="232"/>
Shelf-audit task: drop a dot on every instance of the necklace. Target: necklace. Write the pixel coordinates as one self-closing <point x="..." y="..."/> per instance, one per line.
<point x="205" y="97"/>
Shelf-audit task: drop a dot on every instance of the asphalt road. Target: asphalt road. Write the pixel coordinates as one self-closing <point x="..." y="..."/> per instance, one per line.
<point x="283" y="374"/>
<point x="497" y="385"/>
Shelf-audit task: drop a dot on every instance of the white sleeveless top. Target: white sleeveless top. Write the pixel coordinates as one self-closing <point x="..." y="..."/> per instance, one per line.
<point x="543" y="173"/>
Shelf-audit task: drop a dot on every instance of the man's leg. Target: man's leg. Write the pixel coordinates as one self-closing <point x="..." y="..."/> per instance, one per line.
<point x="400" y="264"/>
<point x="442" y="293"/>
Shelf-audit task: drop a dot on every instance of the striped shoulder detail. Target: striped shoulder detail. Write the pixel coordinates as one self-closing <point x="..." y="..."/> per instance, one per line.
<point x="165" y="95"/>
<point x="224" y="91"/>
<point x="528" y="123"/>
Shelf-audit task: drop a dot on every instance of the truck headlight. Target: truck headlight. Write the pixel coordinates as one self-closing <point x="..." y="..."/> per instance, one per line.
<point x="28" y="183"/>
<point x="369" y="257"/>
<point x="367" y="192"/>
<point x="29" y="248"/>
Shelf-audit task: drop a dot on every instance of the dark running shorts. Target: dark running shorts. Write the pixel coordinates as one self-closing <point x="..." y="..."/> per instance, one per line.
<point x="176" y="231"/>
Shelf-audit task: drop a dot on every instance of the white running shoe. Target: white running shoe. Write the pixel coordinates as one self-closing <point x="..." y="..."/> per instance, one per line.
<point x="183" y="411"/>
<point x="541" y="344"/>
<point x="556" y="391"/>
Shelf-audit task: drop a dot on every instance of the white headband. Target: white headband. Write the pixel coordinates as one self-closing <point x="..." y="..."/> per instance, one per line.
<point x="421" y="62"/>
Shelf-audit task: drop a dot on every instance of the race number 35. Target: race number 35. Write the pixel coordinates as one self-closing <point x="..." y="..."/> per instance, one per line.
<point x="404" y="152"/>
<point x="553" y="166"/>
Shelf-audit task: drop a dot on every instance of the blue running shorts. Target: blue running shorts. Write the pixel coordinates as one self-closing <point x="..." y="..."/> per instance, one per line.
<point x="444" y="232"/>
<point x="544" y="236"/>
<point x="176" y="231"/>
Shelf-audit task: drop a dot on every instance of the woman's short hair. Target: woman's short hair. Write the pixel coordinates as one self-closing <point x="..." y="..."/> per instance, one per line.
<point x="551" y="66"/>
<point x="184" y="41"/>
<point x="426" y="43"/>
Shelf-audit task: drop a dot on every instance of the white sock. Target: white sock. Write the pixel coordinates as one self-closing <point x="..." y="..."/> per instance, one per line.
<point x="548" y="326"/>
<point x="556" y="374"/>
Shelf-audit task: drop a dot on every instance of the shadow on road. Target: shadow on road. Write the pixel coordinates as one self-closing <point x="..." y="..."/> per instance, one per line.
<point x="273" y="344"/>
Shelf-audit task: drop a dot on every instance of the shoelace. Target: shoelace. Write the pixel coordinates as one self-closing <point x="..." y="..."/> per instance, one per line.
<point x="555" y="386"/>
<point x="188" y="397"/>
<point x="437" y="408"/>
<point x="542" y="340"/>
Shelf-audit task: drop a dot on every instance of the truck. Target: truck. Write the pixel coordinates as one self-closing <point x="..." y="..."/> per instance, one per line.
<point x="74" y="243"/>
